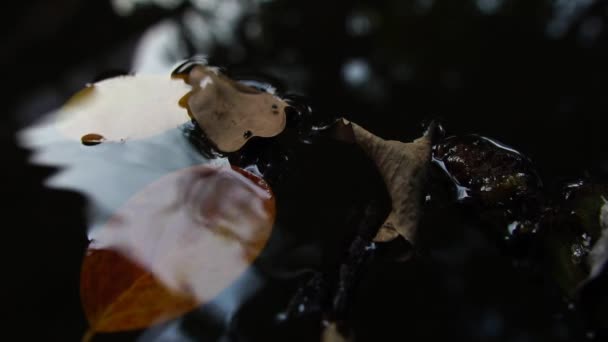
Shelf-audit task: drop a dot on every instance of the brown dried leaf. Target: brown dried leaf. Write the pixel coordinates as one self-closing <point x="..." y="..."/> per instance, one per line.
<point x="403" y="167"/>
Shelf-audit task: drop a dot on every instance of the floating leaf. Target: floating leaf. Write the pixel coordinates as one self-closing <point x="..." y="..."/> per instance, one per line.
<point x="229" y="112"/>
<point x="403" y="167"/>
<point x="176" y="244"/>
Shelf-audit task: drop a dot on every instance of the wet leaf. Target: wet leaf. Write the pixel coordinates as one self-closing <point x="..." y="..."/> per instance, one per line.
<point x="584" y="201"/>
<point x="571" y="231"/>
<point x="403" y="167"/>
<point x="230" y="113"/>
<point x="177" y="243"/>
<point x="118" y="295"/>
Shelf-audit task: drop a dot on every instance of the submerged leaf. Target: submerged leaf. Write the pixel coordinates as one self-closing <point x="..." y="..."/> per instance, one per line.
<point x="571" y="232"/>
<point x="118" y="295"/>
<point x="176" y="244"/>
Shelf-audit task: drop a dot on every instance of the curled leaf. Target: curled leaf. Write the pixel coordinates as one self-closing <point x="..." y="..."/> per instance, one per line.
<point x="174" y="245"/>
<point x="403" y="167"/>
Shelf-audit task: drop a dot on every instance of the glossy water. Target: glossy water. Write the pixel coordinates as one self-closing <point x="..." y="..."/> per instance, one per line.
<point x="530" y="74"/>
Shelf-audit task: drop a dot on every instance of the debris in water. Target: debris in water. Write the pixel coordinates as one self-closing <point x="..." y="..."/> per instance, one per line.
<point x="92" y="139"/>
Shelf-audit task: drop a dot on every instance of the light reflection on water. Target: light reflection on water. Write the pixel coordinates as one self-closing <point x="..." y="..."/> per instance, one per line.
<point x="191" y="221"/>
<point x="489" y="6"/>
<point x="565" y="13"/>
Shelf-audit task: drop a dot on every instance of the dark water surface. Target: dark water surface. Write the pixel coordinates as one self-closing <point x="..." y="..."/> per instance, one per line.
<point x="531" y="74"/>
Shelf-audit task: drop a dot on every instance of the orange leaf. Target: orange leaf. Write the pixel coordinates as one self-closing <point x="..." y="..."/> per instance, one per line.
<point x="119" y="295"/>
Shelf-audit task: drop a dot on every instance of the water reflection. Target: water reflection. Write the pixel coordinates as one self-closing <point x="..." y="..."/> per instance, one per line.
<point x="356" y="72"/>
<point x="358" y="24"/>
<point x="423" y="6"/>
<point x="489" y="6"/>
<point x="127" y="7"/>
<point x="414" y="60"/>
<point x="170" y="227"/>
<point x="565" y="13"/>
<point x="196" y="229"/>
<point x="590" y="30"/>
<point x="202" y="26"/>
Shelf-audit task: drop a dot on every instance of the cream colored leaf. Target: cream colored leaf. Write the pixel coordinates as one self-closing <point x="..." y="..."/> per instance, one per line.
<point x="230" y="113"/>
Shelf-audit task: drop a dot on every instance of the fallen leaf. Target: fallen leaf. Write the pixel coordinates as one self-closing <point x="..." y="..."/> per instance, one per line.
<point x="174" y="245"/>
<point x="403" y="167"/>
<point x="118" y="295"/>
<point x="230" y="113"/>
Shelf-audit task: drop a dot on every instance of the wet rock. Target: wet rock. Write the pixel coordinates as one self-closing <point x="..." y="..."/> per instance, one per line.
<point x="499" y="181"/>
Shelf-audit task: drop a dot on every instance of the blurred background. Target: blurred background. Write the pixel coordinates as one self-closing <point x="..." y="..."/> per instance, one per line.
<point x="529" y="73"/>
